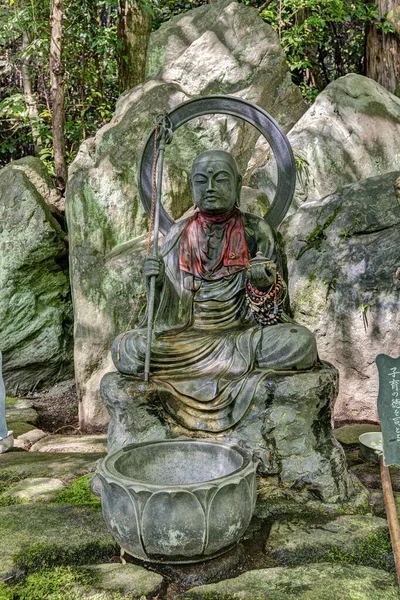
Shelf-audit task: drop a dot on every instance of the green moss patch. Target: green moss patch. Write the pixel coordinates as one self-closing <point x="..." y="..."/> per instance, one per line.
<point x="44" y="535"/>
<point x="48" y="464"/>
<point x="60" y="583"/>
<point x="79" y="494"/>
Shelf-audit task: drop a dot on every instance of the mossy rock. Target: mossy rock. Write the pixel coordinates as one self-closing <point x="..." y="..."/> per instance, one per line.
<point x="47" y="464"/>
<point x="60" y="583"/>
<point x="349" y="434"/>
<point x="19" y="427"/>
<point x="38" y="536"/>
<point x="313" y="582"/>
<point x="356" y="539"/>
<point x="133" y="580"/>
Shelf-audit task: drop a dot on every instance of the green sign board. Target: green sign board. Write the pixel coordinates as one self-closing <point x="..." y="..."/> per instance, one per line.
<point x="389" y="407"/>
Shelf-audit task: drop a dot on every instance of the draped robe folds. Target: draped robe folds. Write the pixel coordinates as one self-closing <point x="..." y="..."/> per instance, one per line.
<point x="208" y="356"/>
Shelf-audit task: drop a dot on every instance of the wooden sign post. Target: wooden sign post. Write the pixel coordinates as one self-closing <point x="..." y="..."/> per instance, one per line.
<point x="389" y="415"/>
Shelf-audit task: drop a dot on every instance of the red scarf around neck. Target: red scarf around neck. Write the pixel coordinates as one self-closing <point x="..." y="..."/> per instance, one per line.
<point x="213" y="246"/>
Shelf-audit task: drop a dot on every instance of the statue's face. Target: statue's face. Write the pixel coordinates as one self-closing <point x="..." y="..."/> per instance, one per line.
<point x="215" y="186"/>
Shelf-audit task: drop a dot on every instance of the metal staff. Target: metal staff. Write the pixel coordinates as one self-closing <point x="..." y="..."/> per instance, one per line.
<point x="164" y="129"/>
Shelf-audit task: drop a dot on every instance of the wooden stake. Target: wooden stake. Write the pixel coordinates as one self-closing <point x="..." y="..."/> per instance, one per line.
<point x="391" y="513"/>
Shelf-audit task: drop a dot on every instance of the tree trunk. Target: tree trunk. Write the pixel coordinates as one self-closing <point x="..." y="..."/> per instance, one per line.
<point x="382" y="59"/>
<point x="134" y="27"/>
<point x="57" y="93"/>
<point x="313" y="73"/>
<point x="30" y="99"/>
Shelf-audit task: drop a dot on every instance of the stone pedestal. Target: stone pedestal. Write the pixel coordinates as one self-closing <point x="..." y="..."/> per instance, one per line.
<point x="288" y="427"/>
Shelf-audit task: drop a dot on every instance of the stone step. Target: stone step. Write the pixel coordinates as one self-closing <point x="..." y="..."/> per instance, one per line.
<point x="71" y="443"/>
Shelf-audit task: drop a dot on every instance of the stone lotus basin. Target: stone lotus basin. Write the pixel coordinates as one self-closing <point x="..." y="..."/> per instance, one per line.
<point x="179" y="500"/>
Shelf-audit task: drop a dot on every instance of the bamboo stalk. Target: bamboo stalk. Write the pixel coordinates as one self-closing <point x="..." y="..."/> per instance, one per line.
<point x="391" y="513"/>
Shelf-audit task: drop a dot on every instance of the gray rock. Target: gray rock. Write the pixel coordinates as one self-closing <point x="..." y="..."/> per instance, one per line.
<point x="288" y="427"/>
<point x="342" y="261"/>
<point x="51" y="464"/>
<point x="37" y="489"/>
<point x="313" y="582"/>
<point x="225" y="47"/>
<point x="71" y="443"/>
<point x="301" y="542"/>
<point x="28" y="439"/>
<point x="350" y="133"/>
<point x="135" y="412"/>
<point x="35" y="304"/>
<point x="130" y="579"/>
<point x="60" y="529"/>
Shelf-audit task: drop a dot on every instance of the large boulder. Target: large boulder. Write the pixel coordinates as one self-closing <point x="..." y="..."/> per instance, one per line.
<point x="221" y="48"/>
<point x="343" y="260"/>
<point x="350" y="133"/>
<point x="35" y="300"/>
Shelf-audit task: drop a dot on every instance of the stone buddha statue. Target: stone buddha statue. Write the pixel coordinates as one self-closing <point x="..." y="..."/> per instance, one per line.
<point x="221" y="324"/>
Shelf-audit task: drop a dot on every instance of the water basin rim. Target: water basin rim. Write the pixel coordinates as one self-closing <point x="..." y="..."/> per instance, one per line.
<point x="106" y="467"/>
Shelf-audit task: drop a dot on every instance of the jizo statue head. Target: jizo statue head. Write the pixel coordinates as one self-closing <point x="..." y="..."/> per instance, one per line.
<point x="215" y="182"/>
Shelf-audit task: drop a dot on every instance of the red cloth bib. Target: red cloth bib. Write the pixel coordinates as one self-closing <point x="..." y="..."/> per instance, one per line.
<point x="213" y="246"/>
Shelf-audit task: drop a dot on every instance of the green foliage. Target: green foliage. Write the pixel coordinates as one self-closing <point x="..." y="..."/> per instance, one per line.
<point x="323" y="39"/>
<point x="79" y="494"/>
<point x="90" y="78"/>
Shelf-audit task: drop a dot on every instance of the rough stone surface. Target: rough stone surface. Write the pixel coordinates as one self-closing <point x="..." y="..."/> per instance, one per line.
<point x="35" y="303"/>
<point x="223" y="48"/>
<point x="342" y="260"/>
<point x="52" y="464"/>
<point x="350" y="133"/>
<point x="349" y="434"/>
<point x="130" y="579"/>
<point x="313" y="582"/>
<point x="58" y="525"/>
<point x="28" y="439"/>
<point x="37" y="489"/>
<point x="288" y="428"/>
<point x="71" y="443"/>
<point x="301" y="541"/>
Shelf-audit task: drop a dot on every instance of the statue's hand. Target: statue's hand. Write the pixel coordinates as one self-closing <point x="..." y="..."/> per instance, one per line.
<point x="262" y="273"/>
<point x="154" y="267"/>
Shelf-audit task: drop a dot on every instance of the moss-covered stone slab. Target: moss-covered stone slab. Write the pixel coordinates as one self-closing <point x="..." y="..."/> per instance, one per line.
<point x="350" y="538"/>
<point x="348" y="434"/>
<point x="36" y="489"/>
<point x="51" y="464"/>
<point x="314" y="582"/>
<point x="38" y="535"/>
<point x="20" y="427"/>
<point x="71" y="443"/>
<point x="26" y="414"/>
<point x="131" y="579"/>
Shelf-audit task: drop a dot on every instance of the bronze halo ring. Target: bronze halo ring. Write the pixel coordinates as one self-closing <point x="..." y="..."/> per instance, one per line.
<point x="235" y="107"/>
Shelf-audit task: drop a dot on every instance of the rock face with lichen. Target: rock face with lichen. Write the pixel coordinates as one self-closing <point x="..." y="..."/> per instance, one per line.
<point x="350" y="133"/>
<point x="221" y="48"/>
<point x="35" y="300"/>
<point x="343" y="257"/>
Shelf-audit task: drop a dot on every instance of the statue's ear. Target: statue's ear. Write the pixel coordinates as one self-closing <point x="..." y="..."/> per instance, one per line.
<point x="238" y="188"/>
<point x="191" y="190"/>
